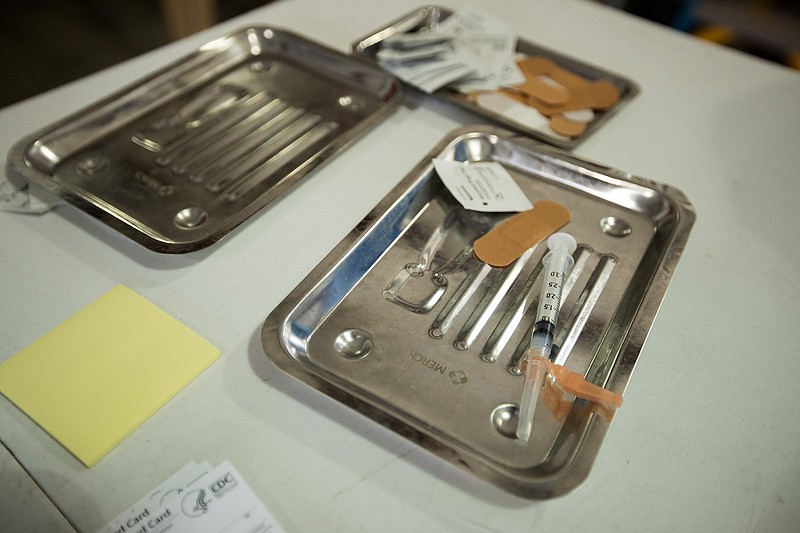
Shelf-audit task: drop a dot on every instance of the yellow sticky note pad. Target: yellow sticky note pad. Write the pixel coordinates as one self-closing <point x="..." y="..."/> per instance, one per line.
<point x="93" y="379"/>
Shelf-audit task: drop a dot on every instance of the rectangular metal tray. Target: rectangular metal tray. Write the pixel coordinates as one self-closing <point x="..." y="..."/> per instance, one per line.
<point x="385" y="323"/>
<point x="426" y="17"/>
<point x="178" y="159"/>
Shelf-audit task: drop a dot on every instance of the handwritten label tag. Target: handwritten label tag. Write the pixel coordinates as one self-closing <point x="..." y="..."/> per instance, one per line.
<point x="486" y="187"/>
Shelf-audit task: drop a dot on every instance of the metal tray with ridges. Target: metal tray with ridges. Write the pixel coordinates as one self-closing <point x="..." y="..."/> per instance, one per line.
<point x="429" y="16"/>
<point x="177" y="160"/>
<point x="401" y="322"/>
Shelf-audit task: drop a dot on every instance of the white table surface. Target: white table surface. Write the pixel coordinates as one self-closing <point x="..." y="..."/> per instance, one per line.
<point x="708" y="437"/>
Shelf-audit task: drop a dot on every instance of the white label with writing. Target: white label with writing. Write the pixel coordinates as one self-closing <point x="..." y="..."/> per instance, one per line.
<point x="486" y="187"/>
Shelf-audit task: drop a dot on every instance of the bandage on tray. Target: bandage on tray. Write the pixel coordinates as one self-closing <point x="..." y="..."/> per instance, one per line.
<point x="509" y="107"/>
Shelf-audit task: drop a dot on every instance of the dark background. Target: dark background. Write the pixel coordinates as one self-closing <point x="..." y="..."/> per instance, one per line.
<point x="47" y="43"/>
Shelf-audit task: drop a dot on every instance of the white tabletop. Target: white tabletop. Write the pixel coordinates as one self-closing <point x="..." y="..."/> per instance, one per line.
<point x="707" y="438"/>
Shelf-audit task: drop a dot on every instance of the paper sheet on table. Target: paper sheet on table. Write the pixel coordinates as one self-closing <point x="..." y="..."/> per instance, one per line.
<point x="93" y="379"/>
<point x="148" y="506"/>
<point x="218" y="500"/>
<point x="19" y="196"/>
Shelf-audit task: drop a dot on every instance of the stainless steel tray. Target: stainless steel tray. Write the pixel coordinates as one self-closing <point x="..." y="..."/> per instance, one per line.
<point x="177" y="160"/>
<point x="426" y="17"/>
<point x="385" y="323"/>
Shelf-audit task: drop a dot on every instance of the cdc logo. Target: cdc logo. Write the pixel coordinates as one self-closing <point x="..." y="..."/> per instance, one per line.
<point x="222" y="485"/>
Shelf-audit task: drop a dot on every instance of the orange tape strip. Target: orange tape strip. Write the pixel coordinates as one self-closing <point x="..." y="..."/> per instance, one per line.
<point x="575" y="384"/>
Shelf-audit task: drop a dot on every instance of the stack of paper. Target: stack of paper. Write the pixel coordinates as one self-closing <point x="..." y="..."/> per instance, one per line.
<point x="197" y="498"/>
<point x="469" y="51"/>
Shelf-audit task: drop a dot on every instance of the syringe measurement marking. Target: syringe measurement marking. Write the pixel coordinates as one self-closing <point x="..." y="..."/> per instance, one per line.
<point x="552" y="300"/>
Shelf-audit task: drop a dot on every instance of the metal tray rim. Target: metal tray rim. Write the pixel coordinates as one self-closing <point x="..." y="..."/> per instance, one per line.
<point x="542" y="485"/>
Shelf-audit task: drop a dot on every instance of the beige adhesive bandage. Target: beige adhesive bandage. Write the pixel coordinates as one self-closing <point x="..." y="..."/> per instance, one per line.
<point x="532" y="66"/>
<point x="565" y="126"/>
<point x="600" y="94"/>
<point x="546" y="89"/>
<point x="517" y="111"/>
<point x="505" y="243"/>
<point x="557" y="93"/>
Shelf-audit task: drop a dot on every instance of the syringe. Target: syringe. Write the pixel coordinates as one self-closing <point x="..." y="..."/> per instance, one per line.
<point x="557" y="263"/>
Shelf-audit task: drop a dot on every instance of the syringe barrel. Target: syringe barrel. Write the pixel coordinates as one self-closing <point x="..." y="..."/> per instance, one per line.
<point x="557" y="262"/>
<point x="542" y="336"/>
